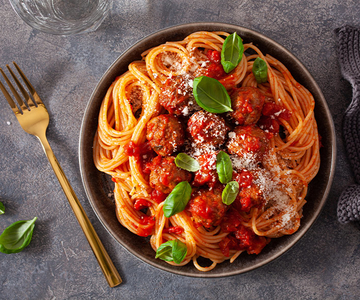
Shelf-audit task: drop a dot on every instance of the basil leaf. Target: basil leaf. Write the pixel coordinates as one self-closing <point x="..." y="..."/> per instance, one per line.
<point x="224" y="167"/>
<point x="211" y="95"/>
<point x="17" y="236"/>
<point x="173" y="250"/>
<point x="164" y="252"/>
<point x="260" y="70"/>
<point x="179" y="251"/>
<point x="186" y="162"/>
<point x="176" y="201"/>
<point x="230" y="192"/>
<point x="232" y="52"/>
<point x="2" y="208"/>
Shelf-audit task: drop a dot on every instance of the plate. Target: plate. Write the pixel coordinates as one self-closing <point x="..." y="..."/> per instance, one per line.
<point x="98" y="188"/>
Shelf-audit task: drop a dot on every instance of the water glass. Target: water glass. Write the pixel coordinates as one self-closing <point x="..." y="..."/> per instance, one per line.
<point x="62" y="17"/>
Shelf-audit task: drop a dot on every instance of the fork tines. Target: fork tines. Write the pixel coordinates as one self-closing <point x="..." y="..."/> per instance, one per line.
<point x="29" y="101"/>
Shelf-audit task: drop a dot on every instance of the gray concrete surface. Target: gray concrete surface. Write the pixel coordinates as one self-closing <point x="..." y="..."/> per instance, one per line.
<point x="59" y="264"/>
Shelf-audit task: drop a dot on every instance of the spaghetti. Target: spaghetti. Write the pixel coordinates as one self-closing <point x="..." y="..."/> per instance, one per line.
<point x="271" y="138"/>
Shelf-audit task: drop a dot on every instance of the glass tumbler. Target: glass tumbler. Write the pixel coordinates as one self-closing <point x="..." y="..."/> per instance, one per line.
<point x="62" y="17"/>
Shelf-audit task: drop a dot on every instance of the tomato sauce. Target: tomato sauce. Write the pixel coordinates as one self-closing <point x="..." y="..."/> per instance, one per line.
<point x="142" y="153"/>
<point x="201" y="208"/>
<point x="231" y="220"/>
<point x="245" y="203"/>
<point x="251" y="142"/>
<point x="175" y="94"/>
<point x="148" y="223"/>
<point x="131" y="149"/>
<point x="207" y="173"/>
<point x="320" y="141"/>
<point x="271" y="113"/>
<point x="158" y="196"/>
<point x="244" y="178"/>
<point x="174" y="229"/>
<point x="275" y="110"/>
<point x="270" y="125"/>
<point x="215" y="69"/>
<point x="239" y="237"/>
<point x="246" y="104"/>
<point x="140" y="204"/>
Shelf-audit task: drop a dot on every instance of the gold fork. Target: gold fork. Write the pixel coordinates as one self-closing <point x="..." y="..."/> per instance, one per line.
<point x="34" y="119"/>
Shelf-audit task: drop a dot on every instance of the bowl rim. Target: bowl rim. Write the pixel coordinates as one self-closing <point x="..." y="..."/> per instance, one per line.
<point x="304" y="228"/>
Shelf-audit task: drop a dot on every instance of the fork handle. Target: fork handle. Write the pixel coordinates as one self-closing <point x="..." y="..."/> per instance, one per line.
<point x="111" y="274"/>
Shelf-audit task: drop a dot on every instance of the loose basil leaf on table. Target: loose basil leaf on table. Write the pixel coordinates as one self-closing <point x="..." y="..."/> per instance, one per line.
<point x="17" y="236"/>
<point x="2" y="208"/>
<point x="177" y="200"/>
<point x="260" y="70"/>
<point x="232" y="52"/>
<point x="173" y="250"/>
<point x="230" y="192"/>
<point x="186" y="162"/>
<point x="224" y="167"/>
<point x="211" y="95"/>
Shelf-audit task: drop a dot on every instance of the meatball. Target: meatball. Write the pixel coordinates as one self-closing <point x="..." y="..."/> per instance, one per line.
<point x="207" y="208"/>
<point x="207" y="173"/>
<point x="136" y="100"/>
<point x="175" y="95"/>
<point x="250" y="197"/>
<point x="207" y="129"/>
<point x="247" y="140"/>
<point x="247" y="104"/>
<point x="165" y="134"/>
<point x="165" y="175"/>
<point x="250" y="193"/>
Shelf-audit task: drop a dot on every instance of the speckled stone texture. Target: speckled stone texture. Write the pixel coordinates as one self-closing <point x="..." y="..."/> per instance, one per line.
<point x="58" y="263"/>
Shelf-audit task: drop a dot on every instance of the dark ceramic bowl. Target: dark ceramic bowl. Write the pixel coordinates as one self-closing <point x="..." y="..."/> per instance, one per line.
<point x="98" y="186"/>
